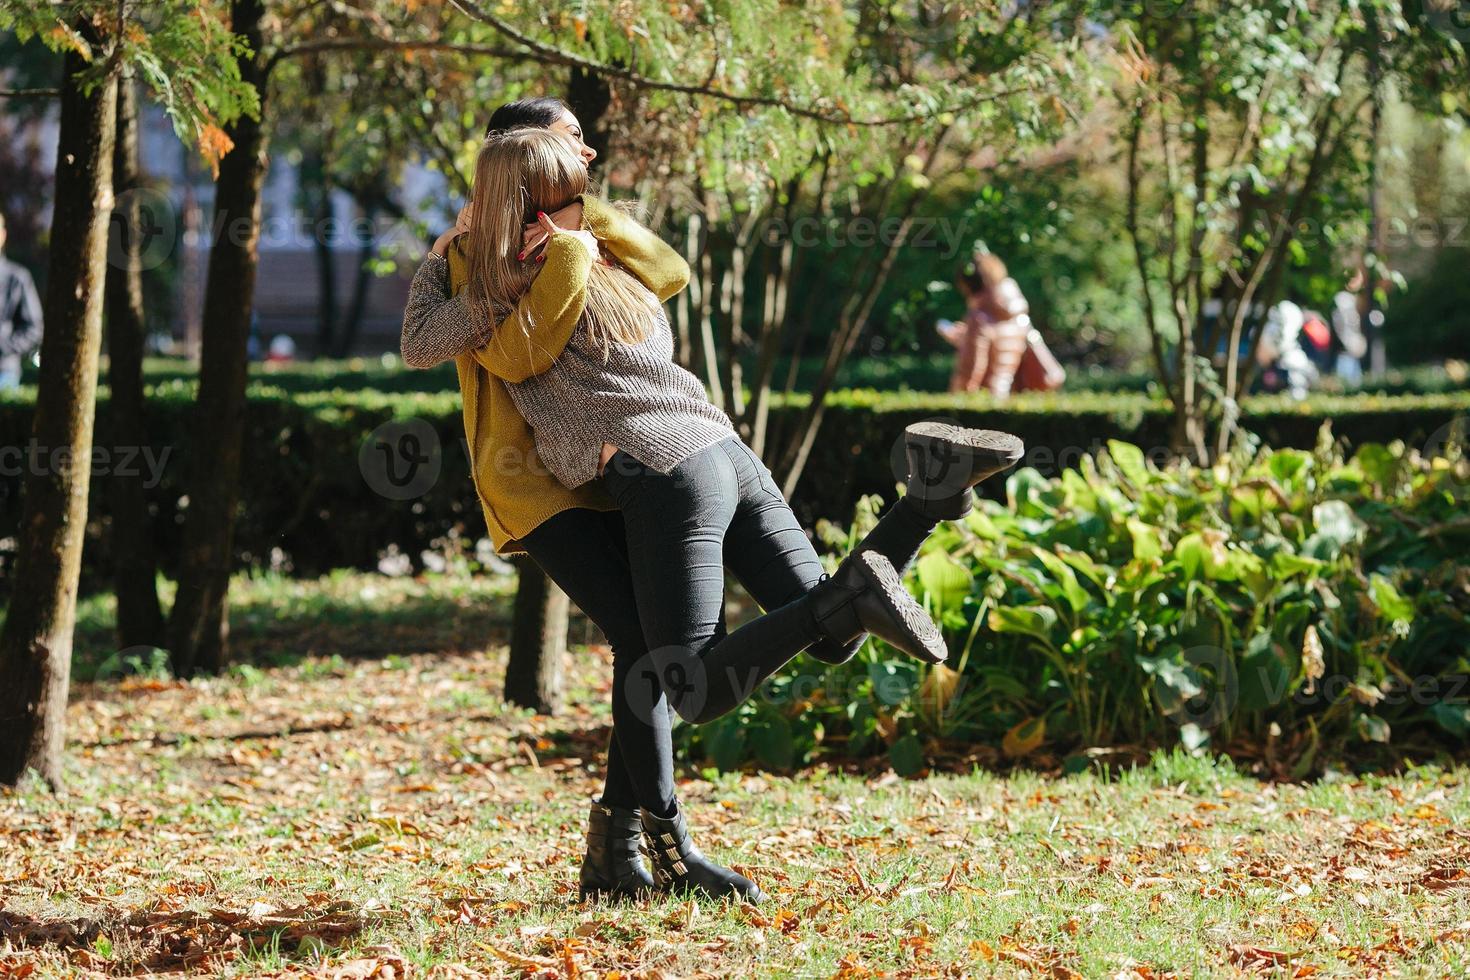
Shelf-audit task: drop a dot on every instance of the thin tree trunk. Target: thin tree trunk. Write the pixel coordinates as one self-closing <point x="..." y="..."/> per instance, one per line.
<point x="36" y="642"/>
<point x="590" y="97"/>
<point x="199" y="624"/>
<point x="351" y="324"/>
<point x="538" y="642"/>
<point x="854" y="316"/>
<point x="134" y="569"/>
<point x="701" y="300"/>
<point x="326" y="257"/>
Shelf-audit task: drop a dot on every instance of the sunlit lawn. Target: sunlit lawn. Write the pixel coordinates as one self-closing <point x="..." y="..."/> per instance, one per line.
<point x="359" y="814"/>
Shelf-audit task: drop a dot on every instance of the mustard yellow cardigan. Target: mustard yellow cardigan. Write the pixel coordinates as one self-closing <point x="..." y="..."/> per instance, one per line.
<point x="516" y="490"/>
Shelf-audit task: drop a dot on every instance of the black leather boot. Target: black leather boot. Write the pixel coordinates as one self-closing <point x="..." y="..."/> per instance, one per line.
<point x="865" y="595"/>
<point x="614" y="866"/>
<point x="679" y="867"/>
<point x="947" y="461"/>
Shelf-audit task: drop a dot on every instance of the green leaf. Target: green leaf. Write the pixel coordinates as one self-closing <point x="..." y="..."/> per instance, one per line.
<point x="1452" y="717"/>
<point x="1131" y="461"/>
<point x="773" y="743"/>
<point x="1372" y="728"/>
<point x="906" y="755"/>
<point x="1264" y="675"/>
<point x="1147" y="543"/>
<point x="1077" y="597"/>
<point x="1192" y="554"/>
<point x="724" y="740"/>
<point x="945" y="579"/>
<point x="1392" y="605"/>
<point x="1285" y="565"/>
<point x="1337" y="527"/>
<point x="1034" y="621"/>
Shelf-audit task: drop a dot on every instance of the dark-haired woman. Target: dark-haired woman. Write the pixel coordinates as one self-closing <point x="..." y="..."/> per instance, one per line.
<point x="578" y="537"/>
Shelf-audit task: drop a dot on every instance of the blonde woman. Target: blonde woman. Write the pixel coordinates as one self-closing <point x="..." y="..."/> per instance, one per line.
<point x="608" y="407"/>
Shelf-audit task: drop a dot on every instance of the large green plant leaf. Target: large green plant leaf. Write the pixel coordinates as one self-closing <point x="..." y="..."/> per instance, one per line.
<point x="1147" y="540"/>
<point x="906" y="756"/>
<point x="1264" y="673"/>
<point x="1337" y="527"/>
<point x="945" y="579"/>
<point x="772" y="741"/>
<point x="1035" y="621"/>
<point x="1392" y="605"/>
<point x="724" y="740"/>
<point x="1077" y="597"/>
<point x="1131" y="461"/>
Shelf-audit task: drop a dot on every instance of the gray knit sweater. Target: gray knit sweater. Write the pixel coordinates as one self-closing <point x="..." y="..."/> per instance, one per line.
<point x="637" y="399"/>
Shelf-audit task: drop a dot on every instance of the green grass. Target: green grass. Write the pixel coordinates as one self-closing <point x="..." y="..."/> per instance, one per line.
<point x="338" y="809"/>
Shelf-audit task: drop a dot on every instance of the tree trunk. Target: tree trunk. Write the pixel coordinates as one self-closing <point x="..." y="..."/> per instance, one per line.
<point x="134" y="568"/>
<point x="351" y="325"/>
<point x="199" y="623"/>
<point x="314" y="175"/>
<point x="590" y="97"/>
<point x="36" y="643"/>
<point x="538" y="642"/>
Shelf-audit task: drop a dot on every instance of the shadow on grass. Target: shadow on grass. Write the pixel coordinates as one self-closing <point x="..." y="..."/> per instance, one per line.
<point x="123" y="943"/>
<point x="280" y="623"/>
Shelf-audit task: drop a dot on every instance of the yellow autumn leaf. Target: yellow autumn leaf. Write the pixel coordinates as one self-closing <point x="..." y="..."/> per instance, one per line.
<point x="1024" y="737"/>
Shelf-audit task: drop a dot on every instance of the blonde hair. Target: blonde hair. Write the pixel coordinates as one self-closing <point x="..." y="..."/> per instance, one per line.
<point x="517" y="174"/>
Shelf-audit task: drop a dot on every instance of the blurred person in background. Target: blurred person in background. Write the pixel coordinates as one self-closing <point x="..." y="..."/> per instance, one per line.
<point x="281" y="351"/>
<point x="1347" y="331"/>
<point x="1284" y="361"/>
<point x="998" y="348"/>
<point x="20" y="317"/>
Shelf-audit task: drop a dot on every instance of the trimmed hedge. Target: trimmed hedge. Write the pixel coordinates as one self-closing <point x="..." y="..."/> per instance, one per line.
<point x="307" y="507"/>
<point x="857" y="451"/>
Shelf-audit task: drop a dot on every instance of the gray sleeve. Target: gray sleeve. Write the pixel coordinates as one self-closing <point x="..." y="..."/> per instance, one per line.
<point x="436" y="326"/>
<point x="25" y="326"/>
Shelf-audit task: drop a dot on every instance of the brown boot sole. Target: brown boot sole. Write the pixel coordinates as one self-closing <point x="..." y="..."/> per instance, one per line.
<point x="1002" y="449"/>
<point x="923" y="635"/>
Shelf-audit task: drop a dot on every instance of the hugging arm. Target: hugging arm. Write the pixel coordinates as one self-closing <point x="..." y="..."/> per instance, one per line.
<point x="650" y="258"/>
<point x="438" y="326"/>
<point x="529" y="341"/>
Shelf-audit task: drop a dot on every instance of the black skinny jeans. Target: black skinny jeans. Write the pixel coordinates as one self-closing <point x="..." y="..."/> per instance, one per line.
<point x="664" y="555"/>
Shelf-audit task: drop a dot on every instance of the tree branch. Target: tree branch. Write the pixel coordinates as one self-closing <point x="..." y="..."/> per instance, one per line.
<point x="550" y="54"/>
<point x="387" y="44"/>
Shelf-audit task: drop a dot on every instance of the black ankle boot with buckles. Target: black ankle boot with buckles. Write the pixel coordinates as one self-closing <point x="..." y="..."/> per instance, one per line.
<point x="679" y="867"/>
<point x="613" y="866"/>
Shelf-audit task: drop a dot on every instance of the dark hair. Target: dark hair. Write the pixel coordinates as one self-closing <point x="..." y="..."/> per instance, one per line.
<point x="523" y="113"/>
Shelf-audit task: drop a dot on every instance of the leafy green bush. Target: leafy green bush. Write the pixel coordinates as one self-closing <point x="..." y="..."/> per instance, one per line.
<point x="307" y="508"/>
<point x="1289" y="606"/>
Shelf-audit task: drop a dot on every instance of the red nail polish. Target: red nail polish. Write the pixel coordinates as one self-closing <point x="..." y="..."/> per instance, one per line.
<point x="520" y="256"/>
<point x="540" y="258"/>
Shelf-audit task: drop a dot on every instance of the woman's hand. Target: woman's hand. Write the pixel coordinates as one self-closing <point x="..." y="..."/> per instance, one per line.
<point x="462" y="224"/>
<point x="533" y="236"/>
<point x="547" y="227"/>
